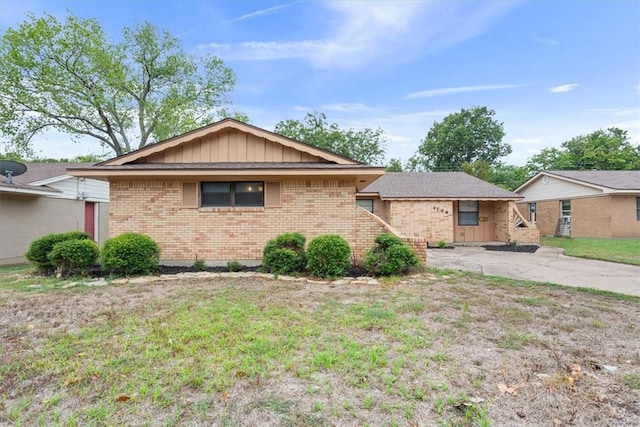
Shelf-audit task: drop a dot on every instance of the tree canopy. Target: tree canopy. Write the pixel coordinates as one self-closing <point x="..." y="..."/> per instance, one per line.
<point x="465" y="136"/>
<point x="509" y="177"/>
<point x="366" y="146"/>
<point x="608" y="149"/>
<point x="68" y="76"/>
<point x="395" y="165"/>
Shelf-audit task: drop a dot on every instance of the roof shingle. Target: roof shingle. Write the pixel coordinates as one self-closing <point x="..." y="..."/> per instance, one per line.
<point x="616" y="180"/>
<point x="436" y="185"/>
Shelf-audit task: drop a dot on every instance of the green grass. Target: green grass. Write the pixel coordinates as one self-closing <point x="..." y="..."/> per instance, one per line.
<point x="625" y="251"/>
<point x="192" y="352"/>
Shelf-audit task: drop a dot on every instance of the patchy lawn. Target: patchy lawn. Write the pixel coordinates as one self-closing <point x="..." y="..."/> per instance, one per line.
<point x="626" y="251"/>
<point x="443" y="348"/>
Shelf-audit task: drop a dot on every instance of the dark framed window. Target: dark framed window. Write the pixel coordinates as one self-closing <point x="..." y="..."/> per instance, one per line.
<point x="365" y="203"/>
<point x="221" y="194"/>
<point x="468" y="212"/>
<point x="638" y="208"/>
<point x="565" y="206"/>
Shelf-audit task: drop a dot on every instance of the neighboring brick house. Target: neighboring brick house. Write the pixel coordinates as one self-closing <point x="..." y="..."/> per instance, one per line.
<point x="47" y="200"/>
<point x="220" y="192"/>
<point x="583" y="203"/>
<point x="450" y="206"/>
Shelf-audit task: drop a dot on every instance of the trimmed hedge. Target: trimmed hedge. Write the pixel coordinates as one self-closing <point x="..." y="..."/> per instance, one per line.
<point x="74" y="256"/>
<point x="130" y="254"/>
<point x="328" y="256"/>
<point x="285" y="254"/>
<point x="39" y="249"/>
<point x="390" y="256"/>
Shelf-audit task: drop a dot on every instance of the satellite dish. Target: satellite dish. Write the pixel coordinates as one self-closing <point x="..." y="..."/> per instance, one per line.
<point x="9" y="168"/>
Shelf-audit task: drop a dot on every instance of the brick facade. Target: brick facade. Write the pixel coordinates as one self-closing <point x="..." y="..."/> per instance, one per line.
<point x="368" y="226"/>
<point x="433" y="221"/>
<point x="601" y="216"/>
<point x="430" y="220"/>
<point x="311" y="207"/>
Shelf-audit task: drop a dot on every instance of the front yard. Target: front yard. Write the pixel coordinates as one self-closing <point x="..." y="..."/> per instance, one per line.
<point x="442" y="348"/>
<point x="626" y="251"/>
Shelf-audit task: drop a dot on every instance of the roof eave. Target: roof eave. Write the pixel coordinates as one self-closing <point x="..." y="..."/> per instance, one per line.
<point x="28" y="191"/>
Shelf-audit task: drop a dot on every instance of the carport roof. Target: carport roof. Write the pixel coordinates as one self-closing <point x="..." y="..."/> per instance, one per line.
<point x="436" y="185"/>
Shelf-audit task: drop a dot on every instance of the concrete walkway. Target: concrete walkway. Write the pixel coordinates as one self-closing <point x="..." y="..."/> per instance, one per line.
<point x="547" y="264"/>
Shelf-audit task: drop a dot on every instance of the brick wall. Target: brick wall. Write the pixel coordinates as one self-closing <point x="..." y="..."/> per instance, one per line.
<point x="624" y="217"/>
<point x="429" y="220"/>
<point x="368" y="226"/>
<point x="601" y="216"/>
<point x="591" y="217"/>
<point x="311" y="207"/>
<point x="547" y="214"/>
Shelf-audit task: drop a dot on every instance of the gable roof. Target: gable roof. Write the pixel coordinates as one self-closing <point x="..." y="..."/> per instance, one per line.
<point x="228" y="124"/>
<point x="34" y="181"/>
<point x="608" y="181"/>
<point x="436" y="185"/>
<point x="37" y="172"/>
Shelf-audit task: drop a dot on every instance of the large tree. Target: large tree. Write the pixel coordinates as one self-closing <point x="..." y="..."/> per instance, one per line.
<point x="608" y="149"/>
<point x="68" y="76"/>
<point x="465" y="136"/>
<point x="509" y="177"/>
<point x="366" y="146"/>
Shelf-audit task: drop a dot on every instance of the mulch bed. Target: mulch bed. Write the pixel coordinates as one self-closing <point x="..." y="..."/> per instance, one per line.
<point x="512" y="248"/>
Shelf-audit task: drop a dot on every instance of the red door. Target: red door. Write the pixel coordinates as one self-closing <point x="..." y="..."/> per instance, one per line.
<point x="89" y="219"/>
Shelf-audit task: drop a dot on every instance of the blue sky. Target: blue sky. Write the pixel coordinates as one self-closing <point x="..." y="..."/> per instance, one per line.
<point x="551" y="70"/>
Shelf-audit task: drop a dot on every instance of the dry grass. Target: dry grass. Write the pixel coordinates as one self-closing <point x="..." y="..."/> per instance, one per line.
<point x="441" y="349"/>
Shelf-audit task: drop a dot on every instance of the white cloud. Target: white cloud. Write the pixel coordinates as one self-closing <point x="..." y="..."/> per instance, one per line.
<point x="262" y="12"/>
<point x="616" y="111"/>
<point x="564" y="88"/>
<point x="637" y="88"/>
<point x="461" y="89"/>
<point x="359" y="33"/>
<point x="346" y="107"/>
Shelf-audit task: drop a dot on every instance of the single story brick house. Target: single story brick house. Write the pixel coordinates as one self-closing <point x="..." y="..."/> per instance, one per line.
<point x="450" y="206"/>
<point x="219" y="193"/>
<point x="47" y="200"/>
<point x="583" y="203"/>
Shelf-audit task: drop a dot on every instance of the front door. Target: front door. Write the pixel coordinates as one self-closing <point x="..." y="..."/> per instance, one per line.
<point x="90" y="219"/>
<point x="473" y="221"/>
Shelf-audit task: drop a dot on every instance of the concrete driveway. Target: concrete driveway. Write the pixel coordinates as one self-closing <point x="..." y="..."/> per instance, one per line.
<point x="545" y="265"/>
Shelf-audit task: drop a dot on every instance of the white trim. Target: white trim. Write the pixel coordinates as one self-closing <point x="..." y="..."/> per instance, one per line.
<point x="29" y="191"/>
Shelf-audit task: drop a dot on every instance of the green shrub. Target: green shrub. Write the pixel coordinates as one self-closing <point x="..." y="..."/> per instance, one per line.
<point x="328" y="256"/>
<point x="389" y="257"/>
<point x="199" y="265"/>
<point x="74" y="256"/>
<point x="442" y="244"/>
<point x="285" y="254"/>
<point x="39" y="249"/>
<point x="388" y="240"/>
<point x="130" y="254"/>
<point x="234" y="266"/>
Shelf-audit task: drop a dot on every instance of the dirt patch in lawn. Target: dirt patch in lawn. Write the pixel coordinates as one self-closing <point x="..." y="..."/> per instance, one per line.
<point x="454" y="349"/>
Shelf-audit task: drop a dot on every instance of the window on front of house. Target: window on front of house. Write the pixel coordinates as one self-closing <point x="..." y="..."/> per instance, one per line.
<point x="638" y="208"/>
<point x="566" y="208"/>
<point x="365" y="203"/>
<point x="239" y="194"/>
<point x="468" y="212"/>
